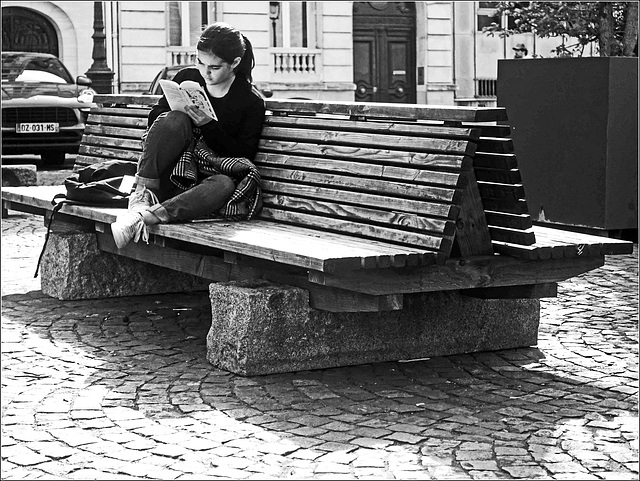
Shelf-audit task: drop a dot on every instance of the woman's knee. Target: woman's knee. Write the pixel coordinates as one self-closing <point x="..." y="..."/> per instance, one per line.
<point x="223" y="185"/>
<point x="172" y="124"/>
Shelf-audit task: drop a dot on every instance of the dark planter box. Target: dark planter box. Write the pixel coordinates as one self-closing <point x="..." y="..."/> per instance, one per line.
<point x="575" y="133"/>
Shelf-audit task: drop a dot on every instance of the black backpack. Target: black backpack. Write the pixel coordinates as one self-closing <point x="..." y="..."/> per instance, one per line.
<point x="104" y="184"/>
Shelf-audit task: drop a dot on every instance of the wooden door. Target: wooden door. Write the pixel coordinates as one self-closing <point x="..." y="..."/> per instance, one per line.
<point x="384" y="59"/>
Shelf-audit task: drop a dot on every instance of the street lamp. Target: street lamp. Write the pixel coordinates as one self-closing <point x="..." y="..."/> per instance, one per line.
<point x="274" y="15"/>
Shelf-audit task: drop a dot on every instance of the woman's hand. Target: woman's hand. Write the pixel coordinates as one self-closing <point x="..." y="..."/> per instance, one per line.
<point x="198" y="116"/>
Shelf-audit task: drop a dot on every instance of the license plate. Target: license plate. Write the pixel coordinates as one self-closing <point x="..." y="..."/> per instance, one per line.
<point x="38" y="128"/>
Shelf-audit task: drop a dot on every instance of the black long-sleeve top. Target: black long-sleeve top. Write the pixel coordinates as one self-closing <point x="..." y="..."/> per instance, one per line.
<point x="240" y="114"/>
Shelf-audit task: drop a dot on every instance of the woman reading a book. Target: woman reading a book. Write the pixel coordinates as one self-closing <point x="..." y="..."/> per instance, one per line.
<point x="192" y="166"/>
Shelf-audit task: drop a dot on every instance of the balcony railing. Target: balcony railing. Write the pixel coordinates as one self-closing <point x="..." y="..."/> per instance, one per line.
<point x="486" y="88"/>
<point x="295" y="62"/>
<point x="181" y="56"/>
<point x="288" y="64"/>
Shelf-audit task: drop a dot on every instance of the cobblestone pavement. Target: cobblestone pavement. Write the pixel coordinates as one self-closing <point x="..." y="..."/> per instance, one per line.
<point x="120" y="389"/>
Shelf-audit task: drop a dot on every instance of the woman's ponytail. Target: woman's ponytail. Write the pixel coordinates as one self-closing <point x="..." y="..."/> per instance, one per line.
<point x="248" y="61"/>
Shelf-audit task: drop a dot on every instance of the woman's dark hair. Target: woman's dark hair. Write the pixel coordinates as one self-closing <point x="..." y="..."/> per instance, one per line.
<point x="228" y="43"/>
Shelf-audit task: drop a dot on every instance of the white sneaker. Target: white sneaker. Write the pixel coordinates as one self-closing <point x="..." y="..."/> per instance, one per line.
<point x="129" y="226"/>
<point x="142" y="199"/>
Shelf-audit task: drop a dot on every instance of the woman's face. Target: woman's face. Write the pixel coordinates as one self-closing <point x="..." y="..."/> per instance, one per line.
<point x="213" y="69"/>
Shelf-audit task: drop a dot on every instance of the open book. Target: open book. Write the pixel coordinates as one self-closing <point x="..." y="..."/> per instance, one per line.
<point x="187" y="93"/>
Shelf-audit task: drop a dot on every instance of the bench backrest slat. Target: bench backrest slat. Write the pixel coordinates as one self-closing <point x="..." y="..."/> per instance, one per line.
<point x="384" y="156"/>
<point x="412" y="128"/>
<point x="432" y="209"/>
<point x="381" y="171"/>
<point x="358" y="139"/>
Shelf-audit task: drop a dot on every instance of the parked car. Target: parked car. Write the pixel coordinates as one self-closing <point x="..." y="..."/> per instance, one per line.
<point x="43" y="109"/>
<point x="166" y="73"/>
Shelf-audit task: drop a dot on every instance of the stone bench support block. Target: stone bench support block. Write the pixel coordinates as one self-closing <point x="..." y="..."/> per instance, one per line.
<point x="19" y="175"/>
<point x="74" y="268"/>
<point x="263" y="328"/>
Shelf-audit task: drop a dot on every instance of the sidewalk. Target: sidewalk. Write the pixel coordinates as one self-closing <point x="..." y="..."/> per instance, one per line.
<point x="120" y="389"/>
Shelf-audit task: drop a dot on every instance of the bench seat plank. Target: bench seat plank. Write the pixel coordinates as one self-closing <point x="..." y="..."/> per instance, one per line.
<point x="461" y="273"/>
<point x="260" y="238"/>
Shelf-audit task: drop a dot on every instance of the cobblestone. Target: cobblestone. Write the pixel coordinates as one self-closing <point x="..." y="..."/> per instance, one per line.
<point x="121" y="389"/>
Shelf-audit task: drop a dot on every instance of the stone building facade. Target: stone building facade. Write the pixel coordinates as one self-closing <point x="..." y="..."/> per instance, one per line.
<point x="418" y="52"/>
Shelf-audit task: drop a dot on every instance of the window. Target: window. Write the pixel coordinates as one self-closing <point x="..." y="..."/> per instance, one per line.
<point x="486" y="15"/>
<point x="292" y="24"/>
<point x="186" y="21"/>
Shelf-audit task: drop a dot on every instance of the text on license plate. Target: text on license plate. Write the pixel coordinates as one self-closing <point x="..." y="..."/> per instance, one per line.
<point x="38" y="128"/>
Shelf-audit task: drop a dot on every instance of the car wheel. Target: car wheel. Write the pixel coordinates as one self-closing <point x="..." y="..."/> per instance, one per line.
<point x="53" y="158"/>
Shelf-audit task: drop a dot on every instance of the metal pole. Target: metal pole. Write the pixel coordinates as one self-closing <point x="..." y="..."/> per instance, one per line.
<point x="100" y="73"/>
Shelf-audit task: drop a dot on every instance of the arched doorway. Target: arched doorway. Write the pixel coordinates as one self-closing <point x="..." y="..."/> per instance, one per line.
<point x="25" y="30"/>
<point x="384" y="51"/>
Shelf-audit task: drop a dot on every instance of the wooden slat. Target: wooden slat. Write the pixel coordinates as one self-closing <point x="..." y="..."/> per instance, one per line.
<point x="604" y="245"/>
<point x="511" y="176"/>
<point x="436" y="209"/>
<point x="109" y="153"/>
<point x="504" y="219"/>
<point x="390" y="172"/>
<point x="513" y="236"/>
<point x="390" y="110"/>
<point x="473" y="272"/>
<point x="400" y="220"/>
<point x="114" y="131"/>
<point x="560" y="249"/>
<point x="358" y="139"/>
<point x="346" y="183"/>
<point x="121" y="112"/>
<point x="507" y="192"/>
<point x="417" y="159"/>
<point x="85" y="160"/>
<point x="503" y="205"/>
<point x="490" y="130"/>
<point x="379" y="127"/>
<point x="117" y="142"/>
<point x="374" y="254"/>
<point x="130" y="122"/>
<point x="530" y="252"/>
<point x="120" y="99"/>
<point x="495" y="161"/>
<point x="360" y="109"/>
<point x="495" y="145"/>
<point x="297" y="246"/>
<point x="424" y="241"/>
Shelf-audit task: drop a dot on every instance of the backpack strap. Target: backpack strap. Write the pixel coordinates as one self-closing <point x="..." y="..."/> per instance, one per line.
<point x="58" y="201"/>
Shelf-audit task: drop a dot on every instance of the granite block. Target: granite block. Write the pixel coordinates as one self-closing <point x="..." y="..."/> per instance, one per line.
<point x="264" y="328"/>
<point x="19" y="175"/>
<point x="74" y="268"/>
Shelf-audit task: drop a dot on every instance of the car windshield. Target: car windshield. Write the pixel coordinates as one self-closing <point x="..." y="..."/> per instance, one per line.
<point x="30" y="67"/>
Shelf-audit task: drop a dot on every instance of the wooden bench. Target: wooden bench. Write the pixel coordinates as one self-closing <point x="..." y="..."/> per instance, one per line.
<point x="363" y="205"/>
